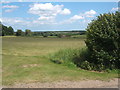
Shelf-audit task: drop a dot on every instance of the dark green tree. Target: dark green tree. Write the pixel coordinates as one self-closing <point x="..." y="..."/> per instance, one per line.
<point x="103" y="44"/>
<point x="10" y="30"/>
<point x="28" y="32"/>
<point x="103" y="41"/>
<point x="19" y="32"/>
<point x="6" y="30"/>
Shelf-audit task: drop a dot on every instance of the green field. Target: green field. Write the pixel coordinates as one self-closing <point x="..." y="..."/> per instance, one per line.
<point x="26" y="60"/>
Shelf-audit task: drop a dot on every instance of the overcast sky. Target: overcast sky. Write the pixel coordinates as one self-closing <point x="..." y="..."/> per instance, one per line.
<point x="47" y="16"/>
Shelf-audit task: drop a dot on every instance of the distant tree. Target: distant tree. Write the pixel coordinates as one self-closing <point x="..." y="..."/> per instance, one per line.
<point x="59" y="35"/>
<point x="28" y="32"/>
<point x="51" y="34"/>
<point x="45" y="35"/>
<point x="10" y="30"/>
<point x="4" y="30"/>
<point x="19" y="32"/>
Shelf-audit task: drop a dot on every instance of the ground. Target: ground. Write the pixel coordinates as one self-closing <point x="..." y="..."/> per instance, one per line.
<point x="113" y="83"/>
<point x="25" y="60"/>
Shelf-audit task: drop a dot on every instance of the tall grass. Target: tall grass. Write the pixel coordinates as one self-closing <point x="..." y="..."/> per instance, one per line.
<point x="69" y="57"/>
<point x="75" y="58"/>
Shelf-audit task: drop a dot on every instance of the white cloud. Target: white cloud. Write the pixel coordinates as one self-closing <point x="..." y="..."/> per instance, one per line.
<point x="48" y="11"/>
<point x="24" y="22"/>
<point x="115" y="9"/>
<point x="15" y="21"/>
<point x="90" y="16"/>
<point x="9" y="10"/>
<point x="65" y="11"/>
<point x="38" y="22"/>
<point x="10" y="6"/>
<point x="82" y="16"/>
<point x="45" y="18"/>
<point x="91" y="12"/>
<point x="72" y="19"/>
<point x="5" y="2"/>
<point x="20" y="0"/>
<point x="77" y="17"/>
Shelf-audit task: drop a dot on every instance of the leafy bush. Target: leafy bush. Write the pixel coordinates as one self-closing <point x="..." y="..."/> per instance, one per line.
<point x="81" y="59"/>
<point x="103" y="41"/>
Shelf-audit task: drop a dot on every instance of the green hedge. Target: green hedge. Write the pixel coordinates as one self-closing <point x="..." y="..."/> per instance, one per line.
<point x="103" y="42"/>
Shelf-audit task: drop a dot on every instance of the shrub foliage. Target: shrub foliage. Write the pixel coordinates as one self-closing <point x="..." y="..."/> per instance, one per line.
<point x="103" y="42"/>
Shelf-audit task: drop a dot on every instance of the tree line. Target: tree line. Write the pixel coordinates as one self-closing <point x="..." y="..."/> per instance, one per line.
<point x="8" y="30"/>
<point x="49" y="33"/>
<point x="4" y="30"/>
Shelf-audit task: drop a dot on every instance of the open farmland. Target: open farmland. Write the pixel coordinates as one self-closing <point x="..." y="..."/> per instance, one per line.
<point x="26" y="60"/>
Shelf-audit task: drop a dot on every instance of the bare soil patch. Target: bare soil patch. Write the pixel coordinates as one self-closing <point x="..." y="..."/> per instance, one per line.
<point x="30" y="65"/>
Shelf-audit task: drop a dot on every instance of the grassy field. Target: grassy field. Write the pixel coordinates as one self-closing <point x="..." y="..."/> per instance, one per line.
<point x="26" y="60"/>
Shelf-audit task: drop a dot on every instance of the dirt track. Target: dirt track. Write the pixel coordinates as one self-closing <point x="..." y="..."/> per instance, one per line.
<point x="71" y="84"/>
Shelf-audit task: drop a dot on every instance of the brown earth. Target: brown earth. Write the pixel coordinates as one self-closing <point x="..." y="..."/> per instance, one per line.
<point x="113" y="83"/>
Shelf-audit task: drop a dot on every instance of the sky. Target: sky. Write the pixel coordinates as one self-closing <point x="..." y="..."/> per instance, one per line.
<point x="53" y="16"/>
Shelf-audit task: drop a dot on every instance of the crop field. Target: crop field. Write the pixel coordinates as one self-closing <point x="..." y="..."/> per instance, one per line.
<point x="26" y="60"/>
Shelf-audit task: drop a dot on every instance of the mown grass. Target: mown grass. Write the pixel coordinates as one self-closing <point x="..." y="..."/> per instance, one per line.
<point x="26" y="59"/>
